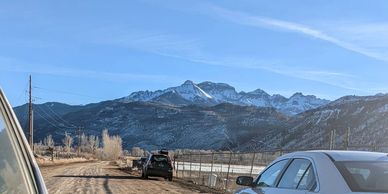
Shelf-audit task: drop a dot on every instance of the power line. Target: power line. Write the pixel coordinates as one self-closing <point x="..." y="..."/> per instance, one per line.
<point x="48" y="116"/>
<point x="59" y="117"/>
<point x="67" y="92"/>
<point x="53" y="119"/>
<point x="54" y="125"/>
<point x="51" y="122"/>
<point x="24" y="91"/>
<point x="56" y="117"/>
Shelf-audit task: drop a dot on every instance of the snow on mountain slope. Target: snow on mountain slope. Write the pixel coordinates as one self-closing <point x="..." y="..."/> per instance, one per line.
<point x="190" y="91"/>
<point x="173" y="98"/>
<point x="257" y="97"/>
<point x="221" y="92"/>
<point x="142" y="96"/>
<point x="298" y="103"/>
<point x="160" y="123"/>
<point x="209" y="93"/>
<point x="364" y="116"/>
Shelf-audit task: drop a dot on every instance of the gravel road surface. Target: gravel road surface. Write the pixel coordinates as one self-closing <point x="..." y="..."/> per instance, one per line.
<point x="103" y="177"/>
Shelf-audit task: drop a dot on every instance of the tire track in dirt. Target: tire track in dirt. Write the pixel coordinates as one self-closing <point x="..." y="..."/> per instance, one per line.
<point x="102" y="177"/>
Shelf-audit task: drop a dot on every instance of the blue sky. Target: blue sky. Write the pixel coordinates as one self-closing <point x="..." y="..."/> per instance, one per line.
<point x="87" y="51"/>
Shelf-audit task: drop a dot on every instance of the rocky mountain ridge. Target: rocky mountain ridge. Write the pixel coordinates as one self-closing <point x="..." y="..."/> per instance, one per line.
<point x="225" y="126"/>
<point x="210" y="94"/>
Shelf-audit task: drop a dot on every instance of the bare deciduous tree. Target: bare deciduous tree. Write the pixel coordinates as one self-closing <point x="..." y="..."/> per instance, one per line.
<point x="48" y="141"/>
<point x="112" y="146"/>
<point x="93" y="143"/>
<point x="137" y="152"/>
<point x="84" y="144"/>
<point x="67" y="141"/>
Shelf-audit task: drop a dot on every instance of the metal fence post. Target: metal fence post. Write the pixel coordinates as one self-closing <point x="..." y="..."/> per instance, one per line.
<point x="200" y="165"/>
<point x="211" y="168"/>
<point x="227" y="174"/>
<point x="262" y="158"/>
<point x="253" y="160"/>
<point x="374" y="146"/>
<point x="183" y="171"/>
<point x="190" y="165"/>
<point x="347" y="139"/>
<point x="177" y="168"/>
<point x="334" y="135"/>
<point x="332" y="139"/>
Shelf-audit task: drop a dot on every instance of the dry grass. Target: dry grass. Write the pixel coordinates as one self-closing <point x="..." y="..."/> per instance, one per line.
<point x="46" y="161"/>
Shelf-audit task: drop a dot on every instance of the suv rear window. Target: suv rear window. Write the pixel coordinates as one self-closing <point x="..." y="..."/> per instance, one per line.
<point x="371" y="176"/>
<point x="159" y="158"/>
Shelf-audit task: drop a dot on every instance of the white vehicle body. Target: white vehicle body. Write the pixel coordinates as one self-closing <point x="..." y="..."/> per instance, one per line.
<point x="19" y="172"/>
<point x="328" y="177"/>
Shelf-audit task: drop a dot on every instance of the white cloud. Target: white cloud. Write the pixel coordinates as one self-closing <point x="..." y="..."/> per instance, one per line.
<point x="263" y="22"/>
<point x="149" y="41"/>
<point x="337" y="79"/>
<point x="372" y="36"/>
<point x="190" y="50"/>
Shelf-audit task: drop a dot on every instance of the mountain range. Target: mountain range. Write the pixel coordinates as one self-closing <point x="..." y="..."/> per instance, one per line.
<point x="214" y="116"/>
<point x="210" y="94"/>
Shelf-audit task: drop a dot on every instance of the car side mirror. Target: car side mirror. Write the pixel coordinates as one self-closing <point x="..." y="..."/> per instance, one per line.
<point x="244" y="180"/>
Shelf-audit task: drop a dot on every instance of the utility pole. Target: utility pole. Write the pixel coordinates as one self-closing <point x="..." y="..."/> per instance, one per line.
<point x="30" y="118"/>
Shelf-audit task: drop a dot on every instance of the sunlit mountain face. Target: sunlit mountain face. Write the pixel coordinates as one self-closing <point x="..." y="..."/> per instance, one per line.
<point x="209" y="93"/>
<point x="214" y="116"/>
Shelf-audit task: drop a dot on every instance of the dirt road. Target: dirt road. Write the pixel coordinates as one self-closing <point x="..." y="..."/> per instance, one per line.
<point x="101" y="177"/>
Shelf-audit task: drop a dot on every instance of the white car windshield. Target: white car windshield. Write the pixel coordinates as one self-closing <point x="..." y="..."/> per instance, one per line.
<point x="371" y="176"/>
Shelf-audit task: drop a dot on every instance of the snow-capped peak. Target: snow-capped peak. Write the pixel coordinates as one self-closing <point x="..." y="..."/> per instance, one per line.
<point x="188" y="82"/>
<point x="297" y="94"/>
<point x="259" y="92"/>
<point x="220" y="92"/>
<point x="209" y="93"/>
<point x="189" y="90"/>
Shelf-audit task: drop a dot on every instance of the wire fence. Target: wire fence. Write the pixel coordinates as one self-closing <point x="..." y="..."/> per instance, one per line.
<point x="219" y="170"/>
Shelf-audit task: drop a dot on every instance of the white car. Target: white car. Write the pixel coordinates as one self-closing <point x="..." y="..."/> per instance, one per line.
<point x="19" y="172"/>
<point x="328" y="172"/>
